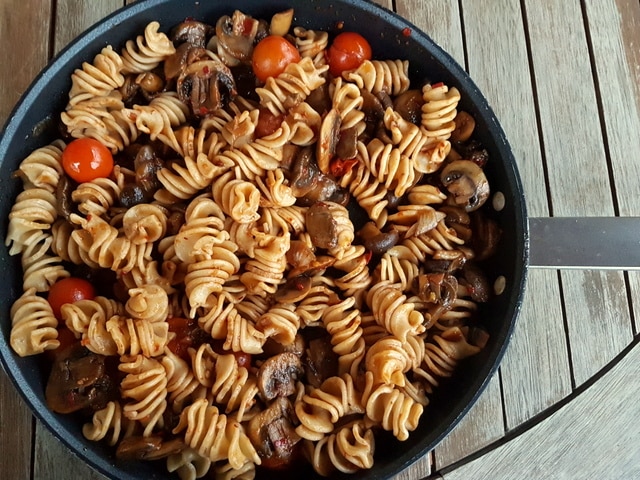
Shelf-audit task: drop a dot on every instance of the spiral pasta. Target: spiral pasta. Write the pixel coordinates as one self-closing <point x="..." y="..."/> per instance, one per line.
<point x="390" y="76"/>
<point x="147" y="51"/>
<point x="390" y="310"/>
<point x="145" y="384"/>
<point x="342" y="322"/>
<point x="216" y="436"/>
<point x="98" y="78"/>
<point x="42" y="168"/>
<point x="33" y="325"/>
<point x="108" y="423"/>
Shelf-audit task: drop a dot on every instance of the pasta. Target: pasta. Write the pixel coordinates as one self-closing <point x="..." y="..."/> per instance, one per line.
<point x="259" y="304"/>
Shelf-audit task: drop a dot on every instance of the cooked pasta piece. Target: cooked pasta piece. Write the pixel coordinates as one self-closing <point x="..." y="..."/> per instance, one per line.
<point x="390" y="76"/>
<point x="147" y="51"/>
<point x="109" y="423"/>
<point x="33" y="325"/>
<point x="98" y="78"/>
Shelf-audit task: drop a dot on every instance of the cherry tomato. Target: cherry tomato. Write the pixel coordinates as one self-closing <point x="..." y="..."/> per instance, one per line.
<point x="271" y="56"/>
<point x="268" y="123"/>
<point x="86" y="159"/>
<point x="179" y="344"/>
<point x="347" y="52"/>
<point x="69" y="290"/>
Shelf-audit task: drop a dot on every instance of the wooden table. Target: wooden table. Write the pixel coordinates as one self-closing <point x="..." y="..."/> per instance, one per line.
<point x="564" y="80"/>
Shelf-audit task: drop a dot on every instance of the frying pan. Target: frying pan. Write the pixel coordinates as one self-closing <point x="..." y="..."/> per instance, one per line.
<point x="32" y="124"/>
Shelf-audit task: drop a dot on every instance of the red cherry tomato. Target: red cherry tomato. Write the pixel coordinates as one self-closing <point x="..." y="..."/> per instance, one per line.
<point x="268" y="123"/>
<point x="183" y="339"/>
<point x="347" y="52"/>
<point x="272" y="55"/>
<point x="69" y="290"/>
<point x="86" y="159"/>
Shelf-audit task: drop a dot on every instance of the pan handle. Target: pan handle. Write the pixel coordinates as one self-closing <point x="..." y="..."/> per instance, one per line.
<point x="602" y="243"/>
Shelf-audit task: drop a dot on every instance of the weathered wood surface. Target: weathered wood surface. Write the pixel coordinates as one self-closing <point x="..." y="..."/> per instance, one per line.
<point x="564" y="80"/>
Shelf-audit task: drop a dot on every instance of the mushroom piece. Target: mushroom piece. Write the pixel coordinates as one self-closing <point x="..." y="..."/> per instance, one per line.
<point x="64" y="204"/>
<point x="476" y="282"/>
<point x="377" y="241"/>
<point x="458" y="219"/>
<point x="328" y="139"/>
<point x="471" y="150"/>
<point x="147" y="165"/>
<point x="193" y="32"/>
<point x="321" y="362"/>
<point x="272" y="433"/>
<point x="347" y="147"/>
<point x="409" y="106"/>
<point x="236" y="34"/>
<point x="294" y="290"/>
<point x="184" y="55"/>
<point x="321" y="226"/>
<point x="277" y="376"/>
<point x="78" y="380"/>
<point x="486" y="235"/>
<point x="465" y="125"/>
<point x="148" y="448"/>
<point x="436" y="288"/>
<point x="467" y="183"/>
<point x="271" y="347"/>
<point x="201" y="85"/>
<point x="310" y="185"/>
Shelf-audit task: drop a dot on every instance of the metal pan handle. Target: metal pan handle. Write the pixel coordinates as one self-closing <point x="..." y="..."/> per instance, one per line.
<point x="602" y="243"/>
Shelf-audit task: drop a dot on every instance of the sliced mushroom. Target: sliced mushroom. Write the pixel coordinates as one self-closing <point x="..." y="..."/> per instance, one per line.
<point x="486" y="235"/>
<point x="150" y="83"/>
<point x="148" y="448"/>
<point x="203" y="83"/>
<point x="409" y="105"/>
<point x="465" y="125"/>
<point x="437" y="288"/>
<point x="321" y="362"/>
<point x="476" y="282"/>
<point x="272" y="433"/>
<point x="443" y="266"/>
<point x="321" y="226"/>
<point x="185" y="54"/>
<point x="377" y="241"/>
<point x="193" y="32"/>
<point x="458" y="219"/>
<point x="346" y="148"/>
<point x="310" y="185"/>
<point x="147" y="165"/>
<point x="294" y="290"/>
<point x="277" y="376"/>
<point x="471" y="150"/>
<point x="64" y="204"/>
<point x="129" y="89"/>
<point x="78" y="380"/>
<point x="328" y="139"/>
<point x="271" y="347"/>
<point x="236" y="35"/>
<point x="467" y="183"/>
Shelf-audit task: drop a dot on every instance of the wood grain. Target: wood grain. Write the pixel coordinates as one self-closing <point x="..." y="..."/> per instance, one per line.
<point x="603" y="450"/>
<point x="577" y="174"/>
<point x="26" y="52"/>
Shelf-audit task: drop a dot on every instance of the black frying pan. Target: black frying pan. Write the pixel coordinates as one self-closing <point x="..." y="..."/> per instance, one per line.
<point x="32" y="125"/>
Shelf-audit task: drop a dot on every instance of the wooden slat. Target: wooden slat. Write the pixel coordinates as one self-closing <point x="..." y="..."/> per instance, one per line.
<point x="56" y="462"/>
<point x="614" y="28"/>
<point x="595" y="302"/>
<point x="535" y="374"/>
<point x="26" y="52"/>
<point x="75" y="16"/>
<point x="440" y="19"/>
<point x="596" y="449"/>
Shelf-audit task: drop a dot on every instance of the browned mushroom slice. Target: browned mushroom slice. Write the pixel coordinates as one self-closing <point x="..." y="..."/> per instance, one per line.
<point x="193" y="32"/>
<point x="148" y="448"/>
<point x="346" y="148"/>
<point x="272" y="433"/>
<point x="277" y="376"/>
<point x="78" y="380"/>
<point x="465" y="125"/>
<point x="271" y="347"/>
<point x="409" y="106"/>
<point x="201" y="85"/>
<point x="129" y="89"/>
<point x="310" y="185"/>
<point x="183" y="56"/>
<point x="321" y="226"/>
<point x="321" y="362"/>
<point x="64" y="204"/>
<point x="328" y="139"/>
<point x="476" y="282"/>
<point x="437" y="288"/>
<point x="467" y="183"/>
<point x="377" y="241"/>
<point x="294" y="290"/>
<point x="236" y="34"/>
<point x="486" y="235"/>
<point x="147" y="165"/>
<point x="458" y="219"/>
<point x="150" y="83"/>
